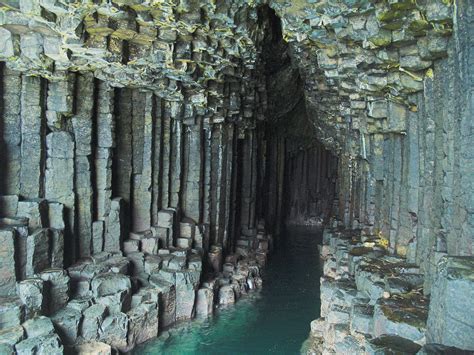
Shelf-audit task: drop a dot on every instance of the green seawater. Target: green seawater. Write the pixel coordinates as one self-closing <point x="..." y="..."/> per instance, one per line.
<point x="274" y="320"/>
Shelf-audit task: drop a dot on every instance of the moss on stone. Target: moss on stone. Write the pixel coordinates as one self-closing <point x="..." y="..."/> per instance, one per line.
<point x="359" y="251"/>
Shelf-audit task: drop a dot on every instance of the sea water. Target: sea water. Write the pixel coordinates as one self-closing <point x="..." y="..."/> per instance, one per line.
<point x="274" y="320"/>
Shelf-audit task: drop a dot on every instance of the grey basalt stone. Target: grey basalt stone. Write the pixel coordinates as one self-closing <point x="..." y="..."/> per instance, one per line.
<point x="187" y="283"/>
<point x="404" y="317"/>
<point x="66" y="322"/>
<point x="56" y="286"/>
<point x="390" y="344"/>
<point x="204" y="302"/>
<point x="167" y="300"/>
<point x="11" y="312"/>
<point x="226" y="295"/>
<point x="36" y="211"/>
<point x="452" y="295"/>
<point x="114" y="226"/>
<point x="9" y="337"/>
<point x="31" y="293"/>
<point x="50" y="344"/>
<point x="37" y="252"/>
<point x="143" y="323"/>
<point x="95" y="347"/>
<point x="114" y="329"/>
<point x="7" y="262"/>
<point x="109" y="284"/>
<point x="8" y="205"/>
<point x="56" y="247"/>
<point x="92" y="320"/>
<point x="38" y="326"/>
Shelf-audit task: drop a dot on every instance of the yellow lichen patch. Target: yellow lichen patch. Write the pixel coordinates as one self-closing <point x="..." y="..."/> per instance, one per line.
<point x="401" y="250"/>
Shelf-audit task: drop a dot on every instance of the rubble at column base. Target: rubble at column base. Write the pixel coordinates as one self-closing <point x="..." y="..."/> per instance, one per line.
<point x="373" y="302"/>
<point x="114" y="300"/>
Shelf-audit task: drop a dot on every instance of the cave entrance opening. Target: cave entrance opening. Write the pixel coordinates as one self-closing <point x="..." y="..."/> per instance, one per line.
<point x="297" y="175"/>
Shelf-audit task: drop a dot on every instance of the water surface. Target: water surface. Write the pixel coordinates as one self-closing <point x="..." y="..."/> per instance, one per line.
<point x="274" y="320"/>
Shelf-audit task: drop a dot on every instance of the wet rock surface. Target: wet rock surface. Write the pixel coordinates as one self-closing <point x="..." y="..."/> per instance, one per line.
<point x="111" y="301"/>
<point x="360" y="313"/>
<point x="159" y="145"/>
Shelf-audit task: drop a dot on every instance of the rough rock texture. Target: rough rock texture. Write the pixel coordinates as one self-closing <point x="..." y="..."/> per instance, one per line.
<point x="449" y="322"/>
<point x="144" y="142"/>
<point x="357" y="318"/>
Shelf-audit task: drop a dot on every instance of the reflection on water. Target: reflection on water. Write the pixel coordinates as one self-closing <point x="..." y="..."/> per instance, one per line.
<point x="275" y="320"/>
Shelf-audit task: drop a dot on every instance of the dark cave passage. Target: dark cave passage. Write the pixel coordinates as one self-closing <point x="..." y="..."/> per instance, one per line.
<point x="163" y="160"/>
<point x="297" y="174"/>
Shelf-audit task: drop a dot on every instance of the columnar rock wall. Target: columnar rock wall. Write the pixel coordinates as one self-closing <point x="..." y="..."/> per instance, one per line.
<point x="387" y="87"/>
<point x="130" y="127"/>
<point x="128" y="194"/>
<point x="373" y="303"/>
<point x="310" y="186"/>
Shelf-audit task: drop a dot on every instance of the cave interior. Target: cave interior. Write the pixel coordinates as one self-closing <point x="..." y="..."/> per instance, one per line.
<point x="154" y="152"/>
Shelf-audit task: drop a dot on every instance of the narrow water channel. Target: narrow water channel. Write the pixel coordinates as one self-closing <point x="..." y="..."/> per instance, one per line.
<point x="273" y="321"/>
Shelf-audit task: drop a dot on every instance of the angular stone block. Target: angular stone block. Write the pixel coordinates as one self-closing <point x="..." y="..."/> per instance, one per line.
<point x="37" y="252"/>
<point x="204" y="302"/>
<point x="93" y="348"/>
<point x="56" y="215"/>
<point x="30" y="292"/>
<point x="226" y="295"/>
<point x="66" y="321"/>
<point x="166" y="218"/>
<point x="146" y="294"/>
<point x="137" y="262"/>
<point x="117" y="302"/>
<point x="337" y="315"/>
<point x="187" y="283"/>
<point x="8" y="206"/>
<point x="50" y="345"/>
<point x="405" y="318"/>
<point x="109" y="284"/>
<point x="11" y="312"/>
<point x="93" y="318"/>
<point x="143" y="323"/>
<point x="60" y="145"/>
<point x="114" y="226"/>
<point x="56" y="286"/>
<point x="450" y="319"/>
<point x="39" y="326"/>
<point x="7" y="262"/>
<point x="131" y="246"/>
<point x="195" y="262"/>
<point x="187" y="229"/>
<point x="114" y="331"/>
<point x="56" y="247"/>
<point x="167" y="302"/>
<point x="36" y="211"/>
<point x="20" y="228"/>
<point x="361" y="320"/>
<point x="176" y="263"/>
<point x="98" y="236"/>
<point x="149" y="246"/>
<point x="153" y="264"/>
<point x="164" y="235"/>
<point x="184" y="243"/>
<point x="9" y="337"/>
<point x="6" y="50"/>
